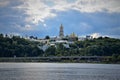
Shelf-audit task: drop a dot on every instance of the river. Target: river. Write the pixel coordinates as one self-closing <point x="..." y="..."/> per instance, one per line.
<point x="59" y="71"/>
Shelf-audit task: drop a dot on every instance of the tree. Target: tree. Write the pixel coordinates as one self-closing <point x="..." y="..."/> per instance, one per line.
<point x="1" y="35"/>
<point x="47" y="37"/>
<point x="50" y="51"/>
<point x="114" y="57"/>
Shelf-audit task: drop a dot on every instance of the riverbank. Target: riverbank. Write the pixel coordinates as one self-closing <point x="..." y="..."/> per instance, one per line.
<point x="84" y="59"/>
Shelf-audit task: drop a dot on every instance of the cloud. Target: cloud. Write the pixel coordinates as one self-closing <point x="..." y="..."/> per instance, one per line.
<point x="28" y="27"/>
<point x="23" y="28"/>
<point x="85" y="26"/>
<point x="91" y="6"/>
<point x="38" y="11"/>
<point x="38" y="15"/>
<point x="96" y="35"/>
<point x="4" y="3"/>
<point x="15" y="34"/>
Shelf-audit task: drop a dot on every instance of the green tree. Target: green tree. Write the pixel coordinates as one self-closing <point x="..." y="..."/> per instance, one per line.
<point x="50" y="51"/>
<point x="47" y="37"/>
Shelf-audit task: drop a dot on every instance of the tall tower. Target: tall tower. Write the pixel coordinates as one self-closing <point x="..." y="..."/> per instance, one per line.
<point x="61" y="33"/>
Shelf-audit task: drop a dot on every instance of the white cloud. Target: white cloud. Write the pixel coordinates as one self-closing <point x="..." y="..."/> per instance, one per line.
<point x="96" y="35"/>
<point x="28" y="27"/>
<point x="38" y="11"/>
<point x="97" y="6"/>
<point x="62" y="5"/>
<point x="88" y="6"/>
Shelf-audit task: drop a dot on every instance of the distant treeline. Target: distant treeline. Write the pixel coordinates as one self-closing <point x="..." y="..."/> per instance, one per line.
<point x="20" y="47"/>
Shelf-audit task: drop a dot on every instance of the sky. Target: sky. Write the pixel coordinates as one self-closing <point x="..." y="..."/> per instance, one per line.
<point x="44" y="17"/>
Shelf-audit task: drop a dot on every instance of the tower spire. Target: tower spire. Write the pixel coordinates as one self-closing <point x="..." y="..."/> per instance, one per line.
<point x="61" y="33"/>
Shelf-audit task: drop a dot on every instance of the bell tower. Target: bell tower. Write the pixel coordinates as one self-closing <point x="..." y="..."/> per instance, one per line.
<point x="61" y="33"/>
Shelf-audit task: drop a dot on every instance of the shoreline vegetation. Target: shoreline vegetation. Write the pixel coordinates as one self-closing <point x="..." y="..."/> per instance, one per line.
<point x="13" y="48"/>
<point x="63" y="59"/>
<point x="6" y="60"/>
<point x="103" y="60"/>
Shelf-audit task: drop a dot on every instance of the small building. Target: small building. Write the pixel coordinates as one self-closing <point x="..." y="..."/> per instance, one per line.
<point x="89" y="37"/>
<point x="81" y="38"/>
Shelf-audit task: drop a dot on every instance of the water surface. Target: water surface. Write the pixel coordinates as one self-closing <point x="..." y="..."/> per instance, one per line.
<point x="59" y="71"/>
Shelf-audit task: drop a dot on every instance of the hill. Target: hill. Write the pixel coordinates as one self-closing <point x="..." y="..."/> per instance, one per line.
<point x="20" y="47"/>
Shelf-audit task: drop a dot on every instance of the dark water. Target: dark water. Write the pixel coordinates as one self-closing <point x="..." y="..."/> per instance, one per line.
<point x="59" y="71"/>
